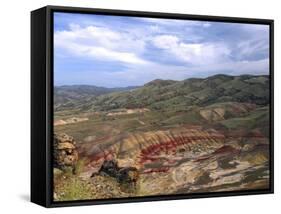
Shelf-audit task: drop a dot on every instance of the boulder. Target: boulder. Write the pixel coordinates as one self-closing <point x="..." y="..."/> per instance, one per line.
<point x="110" y="168"/>
<point x="127" y="175"/>
<point x="65" y="152"/>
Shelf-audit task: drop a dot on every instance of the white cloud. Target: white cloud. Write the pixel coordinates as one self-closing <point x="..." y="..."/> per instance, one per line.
<point x="165" y="41"/>
<point x="206" y="24"/>
<point x="252" y="47"/>
<point x="100" y="43"/>
<point x="175" y="22"/>
<point x="178" y="51"/>
<point x="193" y="53"/>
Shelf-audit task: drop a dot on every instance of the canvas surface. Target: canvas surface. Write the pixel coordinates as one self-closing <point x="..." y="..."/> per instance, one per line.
<point x="148" y="106"/>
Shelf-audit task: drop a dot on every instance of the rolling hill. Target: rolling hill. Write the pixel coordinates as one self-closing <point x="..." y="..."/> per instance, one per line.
<point x="165" y="94"/>
<point x="73" y="96"/>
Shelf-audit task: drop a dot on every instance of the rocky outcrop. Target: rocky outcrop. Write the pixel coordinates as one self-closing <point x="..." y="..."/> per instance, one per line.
<point x="65" y="153"/>
<point x="124" y="175"/>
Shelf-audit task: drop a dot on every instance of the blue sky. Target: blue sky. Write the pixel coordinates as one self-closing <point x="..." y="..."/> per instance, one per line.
<point x="113" y="51"/>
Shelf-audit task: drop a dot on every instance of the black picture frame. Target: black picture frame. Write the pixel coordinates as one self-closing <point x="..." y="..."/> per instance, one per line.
<point x="42" y="104"/>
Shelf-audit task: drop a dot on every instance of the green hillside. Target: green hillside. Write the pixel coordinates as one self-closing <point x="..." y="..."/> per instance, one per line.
<point x="75" y="96"/>
<point x="168" y="94"/>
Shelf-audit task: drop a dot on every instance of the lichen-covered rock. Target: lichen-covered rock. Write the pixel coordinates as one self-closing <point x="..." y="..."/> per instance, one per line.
<point x="65" y="152"/>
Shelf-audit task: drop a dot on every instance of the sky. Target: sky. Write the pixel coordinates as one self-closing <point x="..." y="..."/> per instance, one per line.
<point x="116" y="51"/>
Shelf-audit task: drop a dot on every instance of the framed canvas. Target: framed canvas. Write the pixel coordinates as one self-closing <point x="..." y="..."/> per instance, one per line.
<point x="134" y="106"/>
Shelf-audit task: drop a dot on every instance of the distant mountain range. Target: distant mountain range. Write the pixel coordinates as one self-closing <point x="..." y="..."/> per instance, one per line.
<point x="162" y="94"/>
<point x="72" y="96"/>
